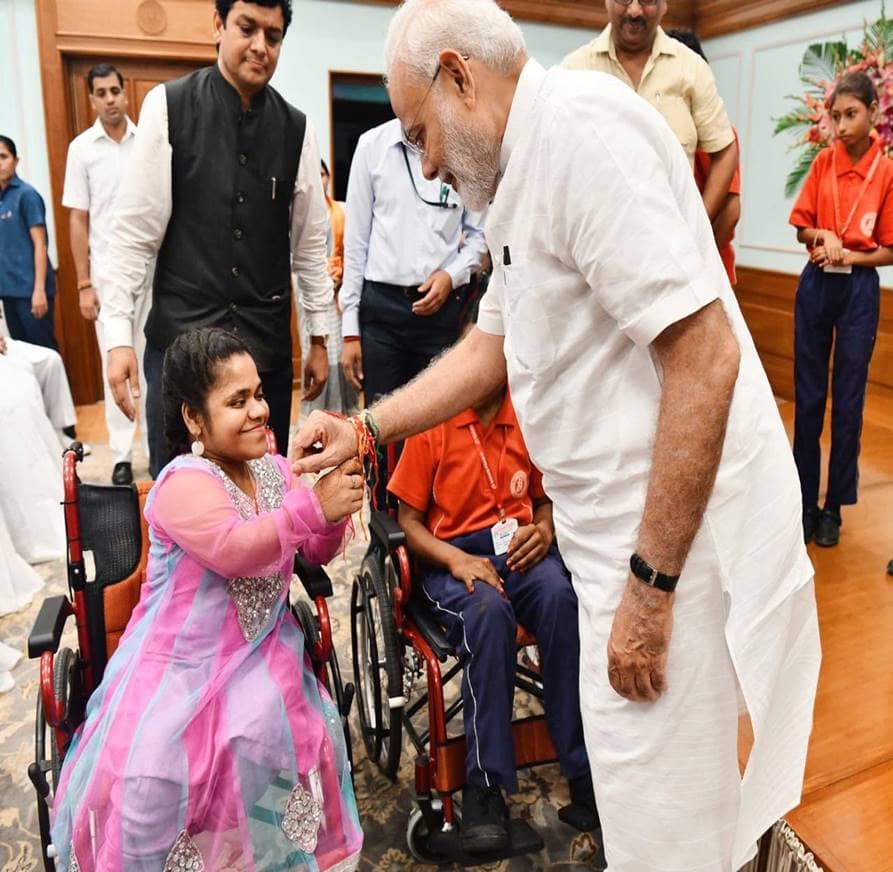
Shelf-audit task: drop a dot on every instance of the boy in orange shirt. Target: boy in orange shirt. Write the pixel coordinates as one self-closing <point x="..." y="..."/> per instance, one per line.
<point x="474" y="510"/>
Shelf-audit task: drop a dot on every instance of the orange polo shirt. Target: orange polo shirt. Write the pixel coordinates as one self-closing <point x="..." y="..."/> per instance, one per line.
<point x="440" y="473"/>
<point x="872" y="221"/>
<point x="702" y="169"/>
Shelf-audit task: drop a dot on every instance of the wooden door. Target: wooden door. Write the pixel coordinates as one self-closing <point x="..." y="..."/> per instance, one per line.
<point x="76" y="336"/>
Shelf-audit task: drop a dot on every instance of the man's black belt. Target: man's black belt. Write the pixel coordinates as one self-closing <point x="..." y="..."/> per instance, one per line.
<point x="409" y="292"/>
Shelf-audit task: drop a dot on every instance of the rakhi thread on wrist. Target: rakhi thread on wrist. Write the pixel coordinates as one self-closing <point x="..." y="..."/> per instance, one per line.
<point x="367" y="453"/>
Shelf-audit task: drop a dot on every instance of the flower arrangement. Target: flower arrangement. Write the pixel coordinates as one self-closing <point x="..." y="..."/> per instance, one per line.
<point x="822" y="66"/>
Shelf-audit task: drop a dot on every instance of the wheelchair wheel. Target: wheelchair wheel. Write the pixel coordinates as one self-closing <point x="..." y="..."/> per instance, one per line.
<point x="377" y="666"/>
<point x="332" y="680"/>
<point x="418" y="839"/>
<point x="65" y="687"/>
<point x="37" y="772"/>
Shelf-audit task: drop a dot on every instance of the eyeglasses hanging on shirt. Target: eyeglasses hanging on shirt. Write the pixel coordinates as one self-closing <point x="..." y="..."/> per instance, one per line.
<point x="443" y="202"/>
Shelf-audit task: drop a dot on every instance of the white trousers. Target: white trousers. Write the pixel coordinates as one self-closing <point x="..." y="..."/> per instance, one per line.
<point x="47" y="367"/>
<point x="121" y="428"/>
<point x="666" y="775"/>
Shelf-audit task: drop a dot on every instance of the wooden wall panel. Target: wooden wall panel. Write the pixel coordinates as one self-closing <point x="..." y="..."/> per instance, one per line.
<point x="183" y="21"/>
<point x="579" y="13"/>
<point x="767" y="301"/>
<point x="716" y="17"/>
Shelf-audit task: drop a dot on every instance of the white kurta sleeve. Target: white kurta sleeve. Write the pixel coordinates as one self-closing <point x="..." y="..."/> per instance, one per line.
<point x="76" y="192"/>
<point x="308" y="233"/>
<point x="142" y="211"/>
<point x="630" y="230"/>
<point x="490" y="318"/>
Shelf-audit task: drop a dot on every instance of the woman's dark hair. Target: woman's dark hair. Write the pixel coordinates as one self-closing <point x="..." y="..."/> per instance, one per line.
<point x="189" y="373"/>
<point x="5" y="140"/>
<point x="223" y="7"/>
<point x="857" y="85"/>
<point x="100" y="71"/>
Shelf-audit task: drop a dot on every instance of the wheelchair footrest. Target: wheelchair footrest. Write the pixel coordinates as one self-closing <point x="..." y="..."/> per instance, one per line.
<point x="579" y="817"/>
<point x="523" y="839"/>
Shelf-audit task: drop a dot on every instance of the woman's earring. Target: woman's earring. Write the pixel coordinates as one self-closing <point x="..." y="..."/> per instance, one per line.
<point x="198" y="448"/>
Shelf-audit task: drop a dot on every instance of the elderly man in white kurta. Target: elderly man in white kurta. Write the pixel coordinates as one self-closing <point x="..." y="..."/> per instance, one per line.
<point x="643" y="402"/>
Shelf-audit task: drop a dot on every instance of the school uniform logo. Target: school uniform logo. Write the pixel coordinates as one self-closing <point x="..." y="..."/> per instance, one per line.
<point x="866" y="225"/>
<point x="519" y="484"/>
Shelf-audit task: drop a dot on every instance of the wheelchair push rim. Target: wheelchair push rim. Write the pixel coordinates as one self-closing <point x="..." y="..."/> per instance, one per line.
<point x="377" y="666"/>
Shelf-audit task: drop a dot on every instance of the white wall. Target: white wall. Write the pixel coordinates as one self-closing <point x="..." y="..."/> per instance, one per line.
<point x="21" y="99"/>
<point x="755" y="70"/>
<point x="349" y="37"/>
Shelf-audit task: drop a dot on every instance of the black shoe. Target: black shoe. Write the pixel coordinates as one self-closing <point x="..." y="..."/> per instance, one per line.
<point x="485" y="819"/>
<point x="122" y="473"/>
<point x="582" y="813"/>
<point x="583" y="795"/>
<point x="827" y="533"/>
<point x="810" y="522"/>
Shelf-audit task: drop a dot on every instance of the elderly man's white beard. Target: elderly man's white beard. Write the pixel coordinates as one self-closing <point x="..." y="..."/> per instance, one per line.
<point x="470" y="157"/>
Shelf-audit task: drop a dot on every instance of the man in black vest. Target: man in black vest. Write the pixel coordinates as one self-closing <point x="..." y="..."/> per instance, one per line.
<point x="224" y="187"/>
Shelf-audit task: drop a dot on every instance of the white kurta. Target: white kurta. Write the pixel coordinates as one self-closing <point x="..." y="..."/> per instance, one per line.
<point x="46" y="365"/>
<point x="30" y="470"/>
<point x="600" y="241"/>
<point x="93" y="172"/>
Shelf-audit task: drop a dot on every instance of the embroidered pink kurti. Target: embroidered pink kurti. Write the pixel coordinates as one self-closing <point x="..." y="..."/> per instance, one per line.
<point x="209" y="744"/>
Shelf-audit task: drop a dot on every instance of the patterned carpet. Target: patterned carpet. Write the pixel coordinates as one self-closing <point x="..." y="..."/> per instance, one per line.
<point x="384" y="807"/>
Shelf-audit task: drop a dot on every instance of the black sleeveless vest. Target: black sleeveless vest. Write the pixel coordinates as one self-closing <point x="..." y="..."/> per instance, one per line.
<point x="226" y="260"/>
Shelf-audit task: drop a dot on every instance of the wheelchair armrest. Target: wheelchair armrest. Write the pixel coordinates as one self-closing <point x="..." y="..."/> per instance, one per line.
<point x="315" y="579"/>
<point x="386" y="530"/>
<point x="48" y="626"/>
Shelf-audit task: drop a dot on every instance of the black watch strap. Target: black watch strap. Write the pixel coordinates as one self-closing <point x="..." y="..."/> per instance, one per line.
<point x="647" y="573"/>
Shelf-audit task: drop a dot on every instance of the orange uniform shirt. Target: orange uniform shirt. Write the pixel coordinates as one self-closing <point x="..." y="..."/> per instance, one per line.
<point x="872" y="221"/>
<point x="702" y="168"/>
<point x="440" y="473"/>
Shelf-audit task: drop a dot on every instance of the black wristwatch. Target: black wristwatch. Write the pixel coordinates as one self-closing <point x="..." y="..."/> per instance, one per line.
<point x="647" y="573"/>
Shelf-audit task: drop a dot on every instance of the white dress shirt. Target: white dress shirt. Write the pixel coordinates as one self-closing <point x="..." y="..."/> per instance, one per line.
<point x="143" y="209"/>
<point x="600" y="242"/>
<point x="390" y="234"/>
<point x="93" y="172"/>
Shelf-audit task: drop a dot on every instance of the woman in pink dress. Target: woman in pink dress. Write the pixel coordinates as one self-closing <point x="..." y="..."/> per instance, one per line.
<point x="210" y="745"/>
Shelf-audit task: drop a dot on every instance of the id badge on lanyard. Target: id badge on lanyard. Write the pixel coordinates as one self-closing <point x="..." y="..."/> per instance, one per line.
<point x="847" y="269"/>
<point x="503" y="531"/>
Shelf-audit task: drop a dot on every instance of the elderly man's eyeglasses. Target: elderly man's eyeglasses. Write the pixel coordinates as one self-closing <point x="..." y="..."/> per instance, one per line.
<point x="416" y="139"/>
<point x="645" y="4"/>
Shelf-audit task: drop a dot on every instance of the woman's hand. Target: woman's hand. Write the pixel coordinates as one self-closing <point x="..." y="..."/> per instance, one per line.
<point x="340" y="492"/>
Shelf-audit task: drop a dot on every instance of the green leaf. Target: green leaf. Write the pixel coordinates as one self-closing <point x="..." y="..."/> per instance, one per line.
<point x="821" y="62"/>
<point x="795" y="120"/>
<point x="798" y="173"/>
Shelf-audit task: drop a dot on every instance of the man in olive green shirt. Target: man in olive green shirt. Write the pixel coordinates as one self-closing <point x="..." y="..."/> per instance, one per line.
<point x="671" y="77"/>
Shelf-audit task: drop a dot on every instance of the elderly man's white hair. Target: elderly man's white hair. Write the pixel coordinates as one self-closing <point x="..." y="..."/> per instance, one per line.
<point x="421" y="29"/>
